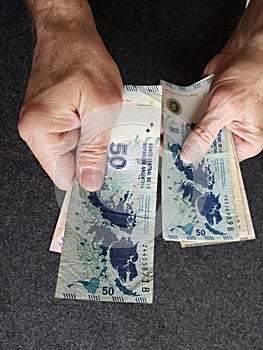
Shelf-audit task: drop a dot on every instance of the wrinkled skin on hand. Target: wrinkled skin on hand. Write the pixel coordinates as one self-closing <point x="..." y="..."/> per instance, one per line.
<point x="235" y="101"/>
<point x="72" y="77"/>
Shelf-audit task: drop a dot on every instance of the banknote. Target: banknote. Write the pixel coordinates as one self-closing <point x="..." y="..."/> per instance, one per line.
<point x="201" y="203"/>
<point x="108" y="247"/>
<point x="242" y="213"/>
<point x="58" y="236"/>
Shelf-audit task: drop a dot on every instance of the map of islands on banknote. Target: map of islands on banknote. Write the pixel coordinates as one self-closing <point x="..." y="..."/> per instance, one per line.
<point x="108" y="247"/>
<point x="201" y="203"/>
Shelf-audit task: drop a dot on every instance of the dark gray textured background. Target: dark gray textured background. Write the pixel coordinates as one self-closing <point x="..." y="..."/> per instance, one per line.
<point x="205" y="298"/>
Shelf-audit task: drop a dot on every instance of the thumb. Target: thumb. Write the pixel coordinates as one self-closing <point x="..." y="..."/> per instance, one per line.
<point x="92" y="148"/>
<point x="201" y="137"/>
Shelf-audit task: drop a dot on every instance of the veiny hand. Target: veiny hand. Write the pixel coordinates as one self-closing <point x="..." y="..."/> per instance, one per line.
<point x="72" y="77"/>
<point x="235" y="99"/>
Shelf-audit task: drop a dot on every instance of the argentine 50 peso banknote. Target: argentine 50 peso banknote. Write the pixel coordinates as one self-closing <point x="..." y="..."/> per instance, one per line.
<point x="202" y="203"/>
<point x="108" y="246"/>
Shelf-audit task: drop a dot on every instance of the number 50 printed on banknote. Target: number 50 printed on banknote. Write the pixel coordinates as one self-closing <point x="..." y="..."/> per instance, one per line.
<point x="107" y="252"/>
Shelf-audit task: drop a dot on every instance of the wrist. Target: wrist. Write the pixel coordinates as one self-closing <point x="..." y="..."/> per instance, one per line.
<point x="249" y="31"/>
<point x="49" y="15"/>
<point x="250" y="42"/>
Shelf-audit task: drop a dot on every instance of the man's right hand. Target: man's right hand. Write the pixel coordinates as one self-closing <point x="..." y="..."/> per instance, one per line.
<point x="73" y="86"/>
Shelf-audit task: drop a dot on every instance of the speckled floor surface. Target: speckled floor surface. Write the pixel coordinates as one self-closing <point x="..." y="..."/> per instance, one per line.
<point x="205" y="298"/>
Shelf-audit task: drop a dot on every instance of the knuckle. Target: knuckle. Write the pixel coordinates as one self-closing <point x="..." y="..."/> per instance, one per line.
<point x="93" y="154"/>
<point x="248" y="150"/>
<point x="94" y="151"/>
<point x="204" y="133"/>
<point x="30" y="122"/>
<point x="25" y="124"/>
<point x="257" y="149"/>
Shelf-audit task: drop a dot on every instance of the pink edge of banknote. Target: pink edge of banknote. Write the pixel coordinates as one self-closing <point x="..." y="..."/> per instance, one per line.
<point x="58" y="236"/>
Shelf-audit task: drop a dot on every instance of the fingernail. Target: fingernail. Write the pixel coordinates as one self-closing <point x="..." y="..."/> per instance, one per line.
<point x="91" y="179"/>
<point x="190" y="153"/>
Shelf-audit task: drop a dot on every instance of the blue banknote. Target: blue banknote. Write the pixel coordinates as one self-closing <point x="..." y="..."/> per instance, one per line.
<point x="108" y="247"/>
<point x="197" y="199"/>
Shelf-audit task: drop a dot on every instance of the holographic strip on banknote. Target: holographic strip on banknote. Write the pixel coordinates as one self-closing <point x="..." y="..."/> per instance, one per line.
<point x="197" y="199"/>
<point x="108" y="247"/>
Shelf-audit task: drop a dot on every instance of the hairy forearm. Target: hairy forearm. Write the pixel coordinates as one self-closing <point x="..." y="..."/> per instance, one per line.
<point x="252" y="20"/>
<point x="46" y="13"/>
<point x="250" y="26"/>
